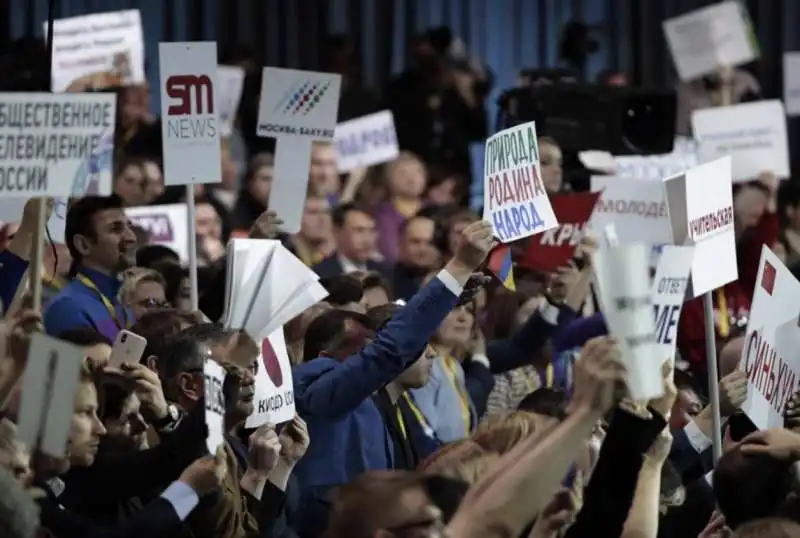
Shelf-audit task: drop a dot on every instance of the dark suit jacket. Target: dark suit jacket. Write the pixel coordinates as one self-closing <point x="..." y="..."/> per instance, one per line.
<point x="330" y="267"/>
<point x="157" y="520"/>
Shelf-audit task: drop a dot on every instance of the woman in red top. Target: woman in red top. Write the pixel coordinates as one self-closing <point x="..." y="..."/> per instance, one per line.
<point x="756" y="224"/>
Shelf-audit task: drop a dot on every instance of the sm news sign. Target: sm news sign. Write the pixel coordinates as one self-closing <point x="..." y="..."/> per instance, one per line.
<point x="191" y="109"/>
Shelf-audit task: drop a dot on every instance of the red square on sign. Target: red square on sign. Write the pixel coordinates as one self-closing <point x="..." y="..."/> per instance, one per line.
<point x="768" y="277"/>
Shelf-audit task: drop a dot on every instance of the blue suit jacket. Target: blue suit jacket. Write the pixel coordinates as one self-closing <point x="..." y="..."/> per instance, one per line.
<point x="334" y="397"/>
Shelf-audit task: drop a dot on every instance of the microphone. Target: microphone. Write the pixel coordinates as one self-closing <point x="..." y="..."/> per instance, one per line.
<point x="19" y="515"/>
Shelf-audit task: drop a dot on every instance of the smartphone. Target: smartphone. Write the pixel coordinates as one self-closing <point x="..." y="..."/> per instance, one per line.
<point x="128" y="347"/>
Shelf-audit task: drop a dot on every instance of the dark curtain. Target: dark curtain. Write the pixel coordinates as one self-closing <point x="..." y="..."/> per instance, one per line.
<point x="505" y="34"/>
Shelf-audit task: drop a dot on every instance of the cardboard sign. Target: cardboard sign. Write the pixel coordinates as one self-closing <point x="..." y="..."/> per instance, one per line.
<point x="296" y="108"/>
<point x="366" y="141"/>
<point x="700" y="204"/>
<point x="623" y="281"/>
<point x="230" y="84"/>
<point x="791" y="83"/>
<point x="167" y="225"/>
<point x="214" y="380"/>
<point x="704" y="40"/>
<point x="49" y="386"/>
<point x="52" y="141"/>
<point x="190" y="126"/>
<point x="555" y="247"/>
<point x="97" y="51"/>
<point x="274" y="392"/>
<point x="636" y="208"/>
<point x="753" y="134"/>
<point x="769" y="356"/>
<point x="668" y="292"/>
<point x="514" y="199"/>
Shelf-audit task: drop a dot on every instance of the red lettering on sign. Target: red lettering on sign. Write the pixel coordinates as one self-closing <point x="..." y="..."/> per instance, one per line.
<point x="193" y="92"/>
<point x="768" y="372"/>
<point x="702" y="226"/>
<point x="514" y="186"/>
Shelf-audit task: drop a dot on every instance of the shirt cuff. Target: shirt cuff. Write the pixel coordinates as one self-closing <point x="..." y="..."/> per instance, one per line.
<point x="482" y="359"/>
<point x="450" y="282"/>
<point x="549" y="313"/>
<point x="699" y="441"/>
<point x="182" y="497"/>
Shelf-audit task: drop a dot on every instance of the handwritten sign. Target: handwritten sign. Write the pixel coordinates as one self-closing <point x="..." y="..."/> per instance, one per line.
<point x="514" y="199"/>
<point x="769" y="357"/>
<point x="365" y="141"/>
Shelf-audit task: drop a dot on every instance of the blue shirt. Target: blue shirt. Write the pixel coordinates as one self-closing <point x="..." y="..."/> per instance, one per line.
<point x="440" y="403"/>
<point x="78" y="305"/>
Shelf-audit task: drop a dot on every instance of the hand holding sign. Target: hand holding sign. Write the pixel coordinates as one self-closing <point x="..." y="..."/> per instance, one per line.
<point x="205" y="474"/>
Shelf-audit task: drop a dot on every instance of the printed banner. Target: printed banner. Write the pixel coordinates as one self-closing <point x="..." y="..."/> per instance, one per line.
<point x="49" y="143"/>
<point x="753" y="134"/>
<point x="189" y="120"/>
<point x="636" y="208"/>
<point x="669" y="291"/>
<point x="230" y="84"/>
<point x="366" y="141"/>
<point x="700" y="206"/>
<point x="97" y="51"/>
<point x="556" y="247"/>
<point x="704" y="40"/>
<point x="514" y="199"/>
<point x="274" y="398"/>
<point x="769" y="357"/>
<point x="167" y="225"/>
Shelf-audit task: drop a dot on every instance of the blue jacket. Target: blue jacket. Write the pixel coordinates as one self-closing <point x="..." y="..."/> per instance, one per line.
<point x="80" y="306"/>
<point x="12" y="269"/>
<point x="334" y="397"/>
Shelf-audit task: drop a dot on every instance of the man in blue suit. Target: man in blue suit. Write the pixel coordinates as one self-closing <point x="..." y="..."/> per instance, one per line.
<point x="333" y="391"/>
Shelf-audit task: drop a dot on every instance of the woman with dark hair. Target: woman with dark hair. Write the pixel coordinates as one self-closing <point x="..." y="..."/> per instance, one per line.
<point x="253" y="198"/>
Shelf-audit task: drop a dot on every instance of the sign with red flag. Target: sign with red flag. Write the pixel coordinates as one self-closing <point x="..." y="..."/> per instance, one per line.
<point x="554" y="248"/>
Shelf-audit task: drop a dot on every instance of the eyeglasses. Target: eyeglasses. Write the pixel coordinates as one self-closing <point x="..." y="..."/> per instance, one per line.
<point x="152" y="302"/>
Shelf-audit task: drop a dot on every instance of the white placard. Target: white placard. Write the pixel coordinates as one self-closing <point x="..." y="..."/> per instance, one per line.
<point x="769" y="355"/>
<point x="166" y="225"/>
<point x="753" y="134"/>
<point x="366" y="141"/>
<point x="791" y="83"/>
<point x="715" y="36"/>
<point x="214" y="381"/>
<point x="47" y="394"/>
<point x="230" y="83"/>
<point x="96" y="51"/>
<point x="657" y="167"/>
<point x="637" y="208"/>
<point x="189" y="118"/>
<point x="700" y="204"/>
<point x="296" y="108"/>
<point x="669" y="291"/>
<point x="623" y="280"/>
<point x="514" y="199"/>
<point x="274" y="391"/>
<point x="48" y="141"/>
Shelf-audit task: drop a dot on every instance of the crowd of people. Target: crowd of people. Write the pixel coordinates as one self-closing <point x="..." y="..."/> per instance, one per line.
<point x="431" y="400"/>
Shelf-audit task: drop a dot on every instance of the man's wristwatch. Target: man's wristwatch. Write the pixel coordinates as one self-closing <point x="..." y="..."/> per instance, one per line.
<point x="169" y="421"/>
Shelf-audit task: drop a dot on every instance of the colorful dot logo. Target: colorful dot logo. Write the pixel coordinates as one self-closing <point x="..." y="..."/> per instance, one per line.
<point x="302" y="98"/>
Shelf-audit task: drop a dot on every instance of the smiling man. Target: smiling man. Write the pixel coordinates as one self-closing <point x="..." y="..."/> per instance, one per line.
<point x="102" y="245"/>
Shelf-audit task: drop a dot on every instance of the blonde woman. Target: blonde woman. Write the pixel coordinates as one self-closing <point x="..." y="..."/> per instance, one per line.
<point x="142" y="290"/>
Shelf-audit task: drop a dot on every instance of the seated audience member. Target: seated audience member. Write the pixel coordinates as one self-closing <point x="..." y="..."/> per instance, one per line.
<point x="102" y="246"/>
<point x="344" y="292"/>
<point x="149" y="255"/>
<point x="377" y="290"/>
<point x="335" y="383"/>
<point x="406" y="178"/>
<point x="417" y="255"/>
<point x="354" y="230"/>
<point x="142" y="290"/>
<point x="295" y="330"/>
<point x="314" y="242"/>
<point x="177" y="288"/>
<point x="254" y="195"/>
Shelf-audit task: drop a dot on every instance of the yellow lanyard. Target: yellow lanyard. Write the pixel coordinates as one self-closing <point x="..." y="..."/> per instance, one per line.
<point x="722" y="302"/>
<point x="463" y="398"/>
<point x="83" y="279"/>
<point x="549" y="376"/>
<point x="400" y="421"/>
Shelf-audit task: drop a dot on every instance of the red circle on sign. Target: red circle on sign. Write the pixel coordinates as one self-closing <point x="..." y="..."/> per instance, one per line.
<point x="271" y="363"/>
